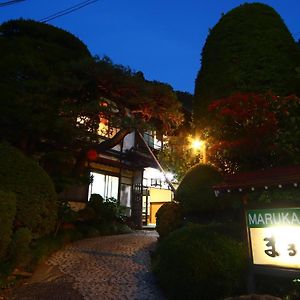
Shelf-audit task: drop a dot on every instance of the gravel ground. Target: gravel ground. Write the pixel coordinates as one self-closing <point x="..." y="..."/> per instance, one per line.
<point x="108" y="267"/>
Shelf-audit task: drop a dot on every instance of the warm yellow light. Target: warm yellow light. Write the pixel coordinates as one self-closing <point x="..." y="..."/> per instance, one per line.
<point x="197" y="144"/>
<point x="285" y="241"/>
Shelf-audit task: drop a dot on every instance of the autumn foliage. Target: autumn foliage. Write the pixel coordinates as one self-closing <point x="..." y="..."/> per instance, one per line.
<point x="251" y="130"/>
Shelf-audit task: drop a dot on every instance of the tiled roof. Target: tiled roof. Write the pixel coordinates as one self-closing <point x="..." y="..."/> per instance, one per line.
<point x="268" y="178"/>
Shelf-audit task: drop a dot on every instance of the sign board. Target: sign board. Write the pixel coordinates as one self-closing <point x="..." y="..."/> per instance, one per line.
<point x="274" y="236"/>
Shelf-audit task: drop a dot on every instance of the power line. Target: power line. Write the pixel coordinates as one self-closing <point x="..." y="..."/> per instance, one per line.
<point x="67" y="10"/>
<point x="10" y="2"/>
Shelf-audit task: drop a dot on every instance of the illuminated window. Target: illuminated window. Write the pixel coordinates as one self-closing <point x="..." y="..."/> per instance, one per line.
<point x="105" y="185"/>
<point x="125" y="197"/>
<point x="105" y="129"/>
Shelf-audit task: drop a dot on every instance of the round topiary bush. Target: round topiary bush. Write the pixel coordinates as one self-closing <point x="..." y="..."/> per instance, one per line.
<point x="195" y="192"/>
<point x="168" y="218"/>
<point x="196" y="262"/>
<point x="34" y="190"/>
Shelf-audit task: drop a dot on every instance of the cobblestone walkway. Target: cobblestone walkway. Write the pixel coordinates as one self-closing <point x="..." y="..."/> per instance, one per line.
<point x="109" y="267"/>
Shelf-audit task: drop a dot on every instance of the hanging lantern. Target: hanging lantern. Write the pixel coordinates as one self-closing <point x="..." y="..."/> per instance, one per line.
<point x="92" y="155"/>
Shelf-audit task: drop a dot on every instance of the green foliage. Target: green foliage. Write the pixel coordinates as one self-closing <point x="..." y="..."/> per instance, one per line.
<point x="47" y="35"/>
<point x="7" y="215"/>
<point x="195" y="192"/>
<point x="37" y="115"/>
<point x="195" y="262"/>
<point x="168" y="218"/>
<point x="96" y="202"/>
<point x="186" y="99"/>
<point x="34" y="190"/>
<point x="109" y="228"/>
<point x="177" y="155"/>
<point x="249" y="50"/>
<point x="99" y="211"/>
<point x="66" y="213"/>
<point x="20" y="247"/>
<point x="112" y="210"/>
<point x="286" y="196"/>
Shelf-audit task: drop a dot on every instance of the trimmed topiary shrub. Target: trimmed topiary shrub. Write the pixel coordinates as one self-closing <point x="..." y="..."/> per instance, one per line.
<point x="195" y="192"/>
<point x="168" y="218"/>
<point x="250" y="49"/>
<point x="196" y="262"/>
<point x="20" y="253"/>
<point x="34" y="190"/>
<point x="7" y="215"/>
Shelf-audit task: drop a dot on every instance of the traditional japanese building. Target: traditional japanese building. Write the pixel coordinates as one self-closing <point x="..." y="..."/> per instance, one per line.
<point x="119" y="173"/>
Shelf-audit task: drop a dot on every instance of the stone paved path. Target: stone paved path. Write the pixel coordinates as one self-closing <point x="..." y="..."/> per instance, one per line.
<point x="108" y="267"/>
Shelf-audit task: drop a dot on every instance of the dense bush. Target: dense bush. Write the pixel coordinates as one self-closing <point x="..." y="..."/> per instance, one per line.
<point x="20" y="247"/>
<point x="34" y="190"/>
<point x="291" y="195"/>
<point x="196" y="262"/>
<point x="98" y="211"/>
<point x="168" y="218"/>
<point x="112" y="210"/>
<point x="195" y="192"/>
<point x="7" y="215"/>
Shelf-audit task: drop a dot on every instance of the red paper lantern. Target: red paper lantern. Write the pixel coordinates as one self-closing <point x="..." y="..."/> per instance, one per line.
<point x="92" y="154"/>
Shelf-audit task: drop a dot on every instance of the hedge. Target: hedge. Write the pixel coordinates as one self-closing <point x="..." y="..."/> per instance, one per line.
<point x="34" y="190"/>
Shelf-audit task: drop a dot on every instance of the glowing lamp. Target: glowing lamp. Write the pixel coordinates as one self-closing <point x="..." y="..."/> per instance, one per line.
<point x="197" y="144"/>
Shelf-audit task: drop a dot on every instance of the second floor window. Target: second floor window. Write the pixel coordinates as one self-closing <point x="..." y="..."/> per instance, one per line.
<point x="152" y="140"/>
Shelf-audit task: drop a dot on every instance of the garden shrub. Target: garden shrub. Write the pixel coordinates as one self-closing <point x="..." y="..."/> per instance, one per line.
<point x="7" y="215"/>
<point x="96" y="202"/>
<point x="112" y="210"/>
<point x="196" y="262"/>
<point x="98" y="211"/>
<point x="195" y="192"/>
<point x="20" y="253"/>
<point x="168" y="218"/>
<point x="34" y="190"/>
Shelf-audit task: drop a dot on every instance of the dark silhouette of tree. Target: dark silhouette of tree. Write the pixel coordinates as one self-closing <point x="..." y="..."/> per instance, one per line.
<point x="53" y="94"/>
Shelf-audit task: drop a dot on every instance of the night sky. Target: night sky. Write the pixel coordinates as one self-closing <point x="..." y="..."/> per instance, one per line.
<point x="161" y="38"/>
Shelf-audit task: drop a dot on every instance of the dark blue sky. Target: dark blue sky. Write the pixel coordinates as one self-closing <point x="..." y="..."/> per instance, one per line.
<point x="161" y="38"/>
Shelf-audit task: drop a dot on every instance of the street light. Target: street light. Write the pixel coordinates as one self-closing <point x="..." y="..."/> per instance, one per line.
<point x="198" y="146"/>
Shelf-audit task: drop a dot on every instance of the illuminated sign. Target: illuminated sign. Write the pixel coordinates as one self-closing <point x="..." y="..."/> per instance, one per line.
<point x="275" y="237"/>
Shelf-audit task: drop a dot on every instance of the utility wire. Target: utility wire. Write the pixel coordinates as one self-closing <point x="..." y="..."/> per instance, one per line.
<point x="67" y="10"/>
<point x="10" y="2"/>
